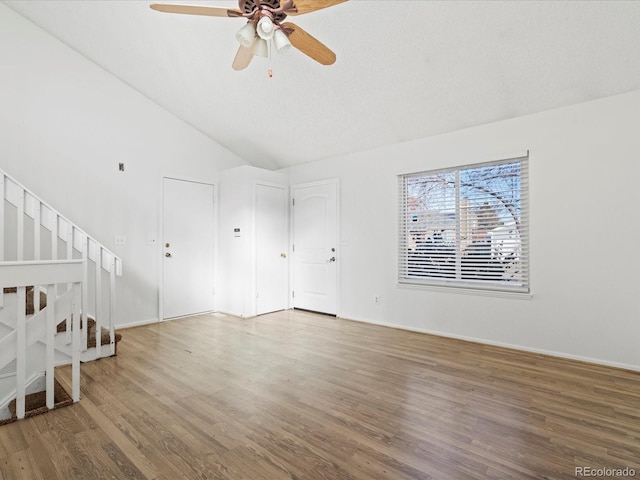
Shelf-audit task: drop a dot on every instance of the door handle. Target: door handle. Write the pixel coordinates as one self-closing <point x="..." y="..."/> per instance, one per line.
<point x="168" y="255"/>
<point x="332" y="259"/>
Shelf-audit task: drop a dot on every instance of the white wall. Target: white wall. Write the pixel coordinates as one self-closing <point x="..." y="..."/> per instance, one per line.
<point x="236" y="274"/>
<point x="65" y="124"/>
<point x="584" y="171"/>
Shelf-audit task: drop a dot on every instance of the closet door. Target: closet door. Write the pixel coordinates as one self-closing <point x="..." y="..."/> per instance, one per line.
<point x="271" y="248"/>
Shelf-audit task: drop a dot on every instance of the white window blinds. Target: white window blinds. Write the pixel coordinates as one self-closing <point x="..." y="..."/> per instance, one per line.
<point x="466" y="227"/>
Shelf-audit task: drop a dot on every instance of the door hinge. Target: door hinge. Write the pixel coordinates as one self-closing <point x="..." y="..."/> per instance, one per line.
<point x="293" y="294"/>
<point x="293" y="202"/>
<point x="293" y="248"/>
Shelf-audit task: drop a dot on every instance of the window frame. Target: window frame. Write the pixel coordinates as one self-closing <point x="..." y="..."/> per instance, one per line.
<point x="518" y="286"/>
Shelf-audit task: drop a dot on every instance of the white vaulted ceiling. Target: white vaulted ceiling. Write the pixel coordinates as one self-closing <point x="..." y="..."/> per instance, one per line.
<point x="404" y="69"/>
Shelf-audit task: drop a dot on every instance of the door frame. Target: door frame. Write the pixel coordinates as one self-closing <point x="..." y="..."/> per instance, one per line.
<point x="287" y="213"/>
<point x="160" y="247"/>
<point x="292" y="188"/>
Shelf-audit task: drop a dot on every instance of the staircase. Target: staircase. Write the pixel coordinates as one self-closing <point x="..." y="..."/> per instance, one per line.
<point x="57" y="298"/>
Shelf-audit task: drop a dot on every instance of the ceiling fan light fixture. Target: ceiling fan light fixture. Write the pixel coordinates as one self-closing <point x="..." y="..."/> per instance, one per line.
<point x="260" y="48"/>
<point x="265" y="28"/>
<point x="246" y="35"/>
<point x="281" y="41"/>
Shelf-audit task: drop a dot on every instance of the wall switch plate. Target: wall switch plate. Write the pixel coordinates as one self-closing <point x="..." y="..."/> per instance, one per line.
<point x="120" y="240"/>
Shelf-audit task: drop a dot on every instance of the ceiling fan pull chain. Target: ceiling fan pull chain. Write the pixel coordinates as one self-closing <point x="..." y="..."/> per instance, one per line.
<point x="270" y="72"/>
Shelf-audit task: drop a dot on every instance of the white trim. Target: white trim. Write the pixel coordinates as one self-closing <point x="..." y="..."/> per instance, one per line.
<point x="138" y="323"/>
<point x="459" y="289"/>
<point x="216" y="247"/>
<point x="510" y="346"/>
<point x="159" y="250"/>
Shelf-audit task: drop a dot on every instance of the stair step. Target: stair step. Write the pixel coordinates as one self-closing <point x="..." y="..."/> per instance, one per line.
<point x="36" y="403"/>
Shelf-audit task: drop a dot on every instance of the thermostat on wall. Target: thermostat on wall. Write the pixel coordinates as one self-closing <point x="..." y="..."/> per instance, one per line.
<point x="236" y="232"/>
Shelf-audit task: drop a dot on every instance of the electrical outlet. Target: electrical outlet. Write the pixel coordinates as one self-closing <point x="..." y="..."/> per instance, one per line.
<point x="120" y="240"/>
<point x="376" y="299"/>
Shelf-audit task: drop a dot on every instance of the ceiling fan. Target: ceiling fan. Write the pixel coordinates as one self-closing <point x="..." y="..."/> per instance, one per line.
<point x="265" y="23"/>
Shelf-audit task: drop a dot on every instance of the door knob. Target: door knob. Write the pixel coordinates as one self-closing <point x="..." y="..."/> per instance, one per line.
<point x="332" y="259"/>
<point x="168" y="255"/>
<point x="283" y="255"/>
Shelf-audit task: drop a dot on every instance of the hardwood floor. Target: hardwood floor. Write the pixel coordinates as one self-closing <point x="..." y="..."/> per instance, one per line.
<point x="295" y="395"/>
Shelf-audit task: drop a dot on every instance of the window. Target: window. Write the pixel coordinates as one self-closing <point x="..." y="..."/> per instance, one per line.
<point x="466" y="227"/>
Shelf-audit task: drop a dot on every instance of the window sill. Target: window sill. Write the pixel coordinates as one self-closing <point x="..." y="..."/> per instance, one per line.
<point x="465" y="291"/>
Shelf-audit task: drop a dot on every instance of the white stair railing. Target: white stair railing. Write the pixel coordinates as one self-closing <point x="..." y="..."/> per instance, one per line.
<point x="27" y="332"/>
<point x="31" y="219"/>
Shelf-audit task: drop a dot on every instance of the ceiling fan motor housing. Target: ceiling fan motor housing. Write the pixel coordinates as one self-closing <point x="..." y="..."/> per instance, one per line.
<point x="252" y="8"/>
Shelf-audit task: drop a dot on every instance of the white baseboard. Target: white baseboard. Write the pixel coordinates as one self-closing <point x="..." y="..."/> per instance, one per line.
<point x="522" y="348"/>
<point x="150" y="321"/>
<point x="136" y="324"/>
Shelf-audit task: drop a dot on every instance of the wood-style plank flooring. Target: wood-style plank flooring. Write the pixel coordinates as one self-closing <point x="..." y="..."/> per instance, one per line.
<point x="294" y="395"/>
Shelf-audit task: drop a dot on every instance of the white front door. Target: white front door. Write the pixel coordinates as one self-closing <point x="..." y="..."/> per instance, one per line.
<point x="315" y="245"/>
<point x="188" y="248"/>
<point x="271" y="248"/>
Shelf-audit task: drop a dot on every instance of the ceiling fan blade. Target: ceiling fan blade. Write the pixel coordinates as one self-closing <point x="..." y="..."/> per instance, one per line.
<point x="243" y="58"/>
<point x="196" y="10"/>
<point x="309" y="45"/>
<point x="306" y="6"/>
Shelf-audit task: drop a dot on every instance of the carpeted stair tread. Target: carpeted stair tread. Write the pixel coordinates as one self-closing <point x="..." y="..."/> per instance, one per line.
<point x="36" y="403"/>
<point x="62" y="327"/>
<point x="30" y="310"/>
<point x="91" y="333"/>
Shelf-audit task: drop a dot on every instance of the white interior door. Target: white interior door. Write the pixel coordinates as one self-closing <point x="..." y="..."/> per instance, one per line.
<point x="271" y="248"/>
<point x="315" y="255"/>
<point x="188" y="248"/>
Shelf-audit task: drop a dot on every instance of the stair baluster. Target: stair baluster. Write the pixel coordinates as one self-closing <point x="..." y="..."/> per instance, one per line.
<point x="2" y="183"/>
<point x="20" y="226"/>
<point x="85" y="292"/>
<point x="21" y="352"/>
<point x="98" y="299"/>
<point x="112" y="307"/>
<point x="50" y="343"/>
